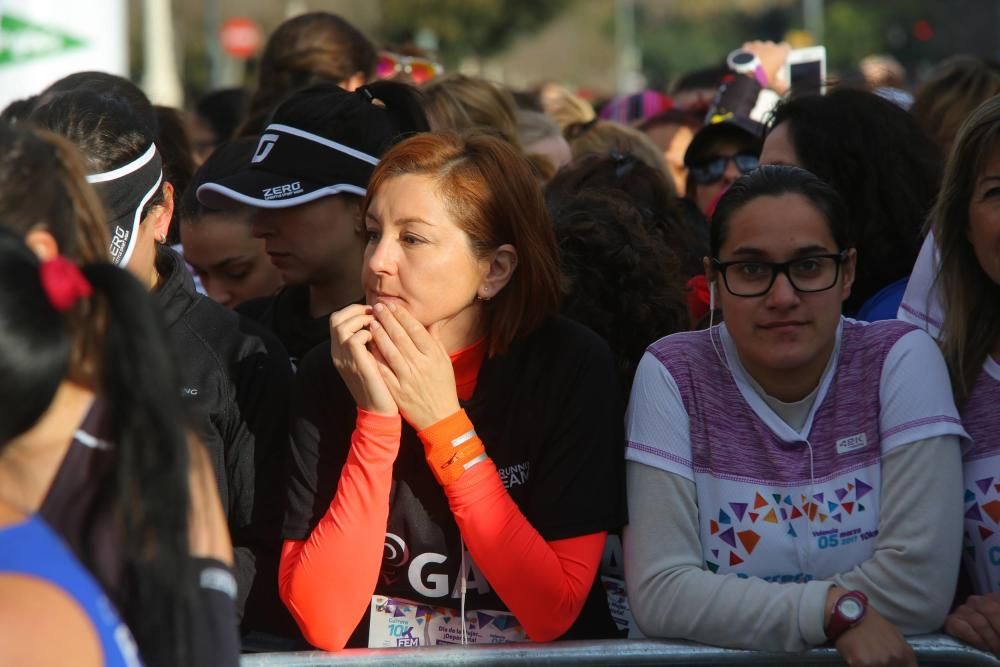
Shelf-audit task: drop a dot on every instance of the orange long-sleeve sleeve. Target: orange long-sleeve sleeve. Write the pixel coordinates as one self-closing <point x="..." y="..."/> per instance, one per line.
<point x="544" y="584"/>
<point x="327" y="580"/>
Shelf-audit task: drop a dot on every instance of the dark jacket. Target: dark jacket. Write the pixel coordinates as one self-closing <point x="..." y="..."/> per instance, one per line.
<point x="236" y="380"/>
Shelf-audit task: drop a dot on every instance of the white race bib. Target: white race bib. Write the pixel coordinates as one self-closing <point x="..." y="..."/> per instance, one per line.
<point x="396" y="622"/>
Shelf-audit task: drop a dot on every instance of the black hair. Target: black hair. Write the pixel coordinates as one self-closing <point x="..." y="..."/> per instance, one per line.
<point x="774" y="180"/>
<point x="223" y="110"/>
<point x="108" y="130"/>
<point x="137" y="382"/>
<point x="18" y="110"/>
<point x="884" y="166"/>
<point x="667" y="216"/>
<point x="109" y="85"/>
<point x="370" y="119"/>
<point x="619" y="279"/>
<point x="697" y="79"/>
<point x="175" y="150"/>
<point x="226" y="160"/>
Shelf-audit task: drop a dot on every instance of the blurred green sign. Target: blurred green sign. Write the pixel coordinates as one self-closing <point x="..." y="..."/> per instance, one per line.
<point x="22" y="40"/>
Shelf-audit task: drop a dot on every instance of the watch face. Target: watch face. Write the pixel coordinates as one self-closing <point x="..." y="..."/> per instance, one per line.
<point x="850" y="609"/>
<point x="743" y="58"/>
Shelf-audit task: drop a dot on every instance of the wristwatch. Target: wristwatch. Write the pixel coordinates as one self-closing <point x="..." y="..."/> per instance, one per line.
<point x="848" y="611"/>
<point x="742" y="61"/>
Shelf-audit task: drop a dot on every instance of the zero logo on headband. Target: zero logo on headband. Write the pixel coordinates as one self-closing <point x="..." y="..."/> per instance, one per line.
<point x="267" y="142"/>
<point x="283" y="190"/>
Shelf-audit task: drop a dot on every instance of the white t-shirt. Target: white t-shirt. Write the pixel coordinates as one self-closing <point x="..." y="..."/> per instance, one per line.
<point x="776" y="503"/>
<point x="981" y="467"/>
<point x="921" y="305"/>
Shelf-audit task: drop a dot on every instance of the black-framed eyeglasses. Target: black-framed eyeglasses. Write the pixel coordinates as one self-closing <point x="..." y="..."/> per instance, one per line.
<point x="712" y="169"/>
<point x="814" y="273"/>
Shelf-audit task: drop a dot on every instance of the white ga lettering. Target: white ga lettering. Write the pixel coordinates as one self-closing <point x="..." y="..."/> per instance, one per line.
<point x="436" y="585"/>
<point x="283" y="190"/>
<point x="438" y="581"/>
<point x="267" y="142"/>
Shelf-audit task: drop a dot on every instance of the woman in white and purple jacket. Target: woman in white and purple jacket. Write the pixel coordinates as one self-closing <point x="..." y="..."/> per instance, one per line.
<point x="794" y="477"/>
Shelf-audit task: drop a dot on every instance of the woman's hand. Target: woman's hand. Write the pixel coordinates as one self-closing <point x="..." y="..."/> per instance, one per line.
<point x="358" y="366"/>
<point x="417" y="369"/>
<point x="875" y="641"/>
<point x="977" y="622"/>
<point x="772" y="58"/>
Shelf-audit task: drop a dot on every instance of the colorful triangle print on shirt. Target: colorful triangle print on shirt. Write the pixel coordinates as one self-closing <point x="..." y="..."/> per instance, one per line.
<point x="484" y="619"/>
<point x="713" y="526"/>
<point x="771" y="517"/>
<point x="848" y="507"/>
<point x="791" y="531"/>
<point x="974" y="513"/>
<point x="748" y="539"/>
<point x="796" y="512"/>
<point x="984" y="484"/>
<point x="862" y="488"/>
<point x="993" y="509"/>
<point x="724" y="518"/>
<point x="969" y="496"/>
<point x="734" y="559"/>
<point x="738" y="509"/>
<point x="841" y="493"/>
<point x="985" y="532"/>
<point x="759" y="502"/>
<point x="729" y="537"/>
<point x="753" y="516"/>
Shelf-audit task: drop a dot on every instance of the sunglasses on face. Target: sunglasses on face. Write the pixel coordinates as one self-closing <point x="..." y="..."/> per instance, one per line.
<point x="712" y="169"/>
<point x="420" y="70"/>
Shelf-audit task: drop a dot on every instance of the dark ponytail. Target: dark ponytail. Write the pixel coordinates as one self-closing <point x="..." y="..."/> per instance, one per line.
<point x="136" y="380"/>
<point x="139" y="385"/>
<point x="34" y="341"/>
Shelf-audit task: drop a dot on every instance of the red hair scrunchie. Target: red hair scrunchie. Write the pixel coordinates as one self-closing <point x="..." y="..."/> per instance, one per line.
<point x="64" y="283"/>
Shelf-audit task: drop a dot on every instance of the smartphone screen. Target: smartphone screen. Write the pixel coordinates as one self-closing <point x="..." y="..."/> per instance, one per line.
<point x="807" y="77"/>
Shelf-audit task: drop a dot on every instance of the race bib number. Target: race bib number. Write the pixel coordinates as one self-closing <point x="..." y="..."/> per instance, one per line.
<point x="396" y="622"/>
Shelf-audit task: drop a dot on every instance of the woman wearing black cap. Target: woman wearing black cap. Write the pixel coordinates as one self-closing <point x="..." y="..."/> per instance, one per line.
<point x="235" y="375"/>
<point x="305" y="183"/>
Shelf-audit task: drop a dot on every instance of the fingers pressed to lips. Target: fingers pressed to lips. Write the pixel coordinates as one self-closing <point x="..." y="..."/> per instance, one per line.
<point x="388" y="317"/>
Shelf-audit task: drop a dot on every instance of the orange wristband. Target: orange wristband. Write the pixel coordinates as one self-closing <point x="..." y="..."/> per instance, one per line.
<point x="451" y="447"/>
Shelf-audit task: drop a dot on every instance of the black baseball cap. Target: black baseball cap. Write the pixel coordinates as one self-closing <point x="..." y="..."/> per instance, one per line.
<point x="292" y="166"/>
<point x="722" y="127"/>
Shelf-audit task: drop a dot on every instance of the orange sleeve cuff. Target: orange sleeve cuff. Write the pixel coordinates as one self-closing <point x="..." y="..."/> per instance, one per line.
<point x="452" y="447"/>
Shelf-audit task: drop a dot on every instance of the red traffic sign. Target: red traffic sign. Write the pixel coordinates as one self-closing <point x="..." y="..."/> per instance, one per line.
<point x="240" y="37"/>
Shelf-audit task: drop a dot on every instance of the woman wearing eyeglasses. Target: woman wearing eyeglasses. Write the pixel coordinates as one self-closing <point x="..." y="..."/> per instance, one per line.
<point x="793" y="476"/>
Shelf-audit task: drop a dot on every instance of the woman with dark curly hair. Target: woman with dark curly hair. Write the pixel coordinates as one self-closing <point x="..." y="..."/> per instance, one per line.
<point x="615" y="270"/>
<point x="680" y="225"/>
<point x="884" y="166"/>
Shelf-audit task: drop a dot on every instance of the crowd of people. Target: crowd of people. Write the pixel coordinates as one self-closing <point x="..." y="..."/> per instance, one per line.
<point x="376" y="355"/>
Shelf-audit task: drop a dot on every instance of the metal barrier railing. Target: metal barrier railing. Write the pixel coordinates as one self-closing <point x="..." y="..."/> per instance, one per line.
<point x="930" y="649"/>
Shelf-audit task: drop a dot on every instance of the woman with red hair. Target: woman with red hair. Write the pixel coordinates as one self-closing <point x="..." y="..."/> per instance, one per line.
<point x="456" y="455"/>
